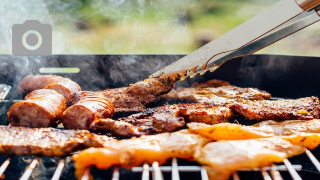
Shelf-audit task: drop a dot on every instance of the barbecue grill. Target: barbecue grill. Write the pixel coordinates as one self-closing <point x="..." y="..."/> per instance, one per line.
<point x="282" y="76"/>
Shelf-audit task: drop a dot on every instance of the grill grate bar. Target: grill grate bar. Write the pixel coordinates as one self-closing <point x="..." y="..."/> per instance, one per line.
<point x="115" y="174"/>
<point x="4" y="166"/>
<point x="275" y="173"/>
<point x="175" y="171"/>
<point x="145" y="172"/>
<point x="30" y="168"/>
<point x="59" y="169"/>
<point x="291" y="170"/>
<point x="265" y="174"/>
<point x="204" y="174"/>
<point x="86" y="174"/>
<point x="156" y="173"/>
<point x="313" y="160"/>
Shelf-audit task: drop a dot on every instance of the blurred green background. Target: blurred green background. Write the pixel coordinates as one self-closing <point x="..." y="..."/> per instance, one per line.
<point x="159" y="26"/>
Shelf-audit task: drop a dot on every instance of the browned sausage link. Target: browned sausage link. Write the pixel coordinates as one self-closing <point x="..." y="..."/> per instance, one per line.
<point x="62" y="85"/>
<point x="89" y="106"/>
<point x="41" y="108"/>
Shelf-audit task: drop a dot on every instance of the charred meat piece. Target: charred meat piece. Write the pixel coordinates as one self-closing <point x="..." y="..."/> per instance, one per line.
<point x="151" y="121"/>
<point x="46" y="141"/>
<point x="225" y="157"/>
<point x="303" y="109"/>
<point x="62" y="85"/>
<point x="134" y="98"/>
<point x="135" y="151"/>
<point x="88" y="107"/>
<point x="224" y="95"/>
<point x="205" y="113"/>
<point x="211" y="83"/>
<point x="230" y="131"/>
<point x="41" y="108"/>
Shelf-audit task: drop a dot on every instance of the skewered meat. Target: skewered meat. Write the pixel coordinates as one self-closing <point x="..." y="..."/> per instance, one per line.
<point x="88" y="107"/>
<point x="135" y="97"/>
<point x="135" y="151"/>
<point x="41" y="108"/>
<point x="62" y="85"/>
<point x="229" y="131"/>
<point x="205" y="113"/>
<point x="211" y="83"/>
<point x="225" y="157"/>
<point x="46" y="141"/>
<point x="303" y="109"/>
<point x="153" y="120"/>
<point x="216" y="95"/>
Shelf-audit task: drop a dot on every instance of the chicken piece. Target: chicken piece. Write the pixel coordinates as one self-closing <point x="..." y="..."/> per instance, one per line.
<point x="24" y="141"/>
<point x="88" y="107"/>
<point x="302" y="109"/>
<point x="40" y="108"/>
<point x="135" y="151"/>
<point x="151" y="121"/>
<point x="133" y="99"/>
<point x="211" y="83"/>
<point x="230" y="131"/>
<point x="225" y="157"/>
<point x="205" y="113"/>
<point x="62" y="85"/>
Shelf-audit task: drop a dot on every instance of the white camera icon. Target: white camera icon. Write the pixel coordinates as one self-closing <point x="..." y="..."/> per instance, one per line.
<point x="31" y="39"/>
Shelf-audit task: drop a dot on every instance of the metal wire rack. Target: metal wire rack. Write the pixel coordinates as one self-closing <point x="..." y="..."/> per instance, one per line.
<point x="156" y="171"/>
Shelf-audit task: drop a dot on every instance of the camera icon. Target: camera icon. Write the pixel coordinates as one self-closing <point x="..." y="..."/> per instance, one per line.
<point x="31" y="39"/>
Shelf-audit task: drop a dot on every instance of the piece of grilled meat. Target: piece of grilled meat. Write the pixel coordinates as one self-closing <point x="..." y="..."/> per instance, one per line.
<point x="46" y="141"/>
<point x="135" y="151"/>
<point x="62" y="85"/>
<point x="87" y="107"/>
<point x="223" y="158"/>
<point x="223" y="95"/>
<point x="150" y="121"/>
<point x="134" y="98"/>
<point x="40" y="108"/>
<point x="303" y="109"/>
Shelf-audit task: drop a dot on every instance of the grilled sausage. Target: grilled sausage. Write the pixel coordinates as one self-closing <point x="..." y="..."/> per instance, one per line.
<point x="88" y="107"/>
<point x="41" y="108"/>
<point x="62" y="85"/>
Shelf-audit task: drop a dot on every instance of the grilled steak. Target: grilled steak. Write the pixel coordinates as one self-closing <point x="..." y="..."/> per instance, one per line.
<point x="88" y="107"/>
<point x="135" y="151"/>
<point x="62" y="85"/>
<point x="218" y="95"/>
<point x="303" y="109"/>
<point x="205" y="113"/>
<point x="153" y="120"/>
<point x="46" y="141"/>
<point x="41" y="108"/>
<point x="225" y="157"/>
<point x="135" y="97"/>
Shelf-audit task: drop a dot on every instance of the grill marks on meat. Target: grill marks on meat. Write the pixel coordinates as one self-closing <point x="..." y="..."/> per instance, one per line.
<point x="41" y="108"/>
<point x="135" y="97"/>
<point x="151" y="121"/>
<point x="225" y="157"/>
<point x="303" y="109"/>
<point x="230" y="131"/>
<point x="205" y="113"/>
<point x="46" y="141"/>
<point x="135" y="151"/>
<point x="62" y="85"/>
<point x="88" y="107"/>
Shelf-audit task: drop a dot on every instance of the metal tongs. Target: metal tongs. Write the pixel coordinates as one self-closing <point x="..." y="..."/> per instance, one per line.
<point x="279" y="21"/>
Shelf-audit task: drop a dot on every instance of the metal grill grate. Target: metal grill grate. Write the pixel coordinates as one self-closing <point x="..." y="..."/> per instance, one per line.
<point x="267" y="173"/>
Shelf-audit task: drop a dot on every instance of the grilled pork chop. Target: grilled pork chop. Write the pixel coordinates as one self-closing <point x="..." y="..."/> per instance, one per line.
<point x="225" y="157"/>
<point x="303" y="109"/>
<point x="135" y="151"/>
<point x="151" y="121"/>
<point x="46" y="141"/>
